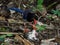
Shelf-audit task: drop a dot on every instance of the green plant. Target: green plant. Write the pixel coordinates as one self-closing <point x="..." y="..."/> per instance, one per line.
<point x="2" y="29"/>
<point x="39" y="5"/>
<point x="4" y="36"/>
<point x="40" y="28"/>
<point x="56" y="12"/>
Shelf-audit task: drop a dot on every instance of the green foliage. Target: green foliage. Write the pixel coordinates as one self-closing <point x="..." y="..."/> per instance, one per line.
<point x="2" y="36"/>
<point x="9" y="35"/>
<point x="39" y="5"/>
<point x="56" y="12"/>
<point x="40" y="28"/>
<point x="40" y="2"/>
<point x="3" y="29"/>
<point x="1" y="39"/>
